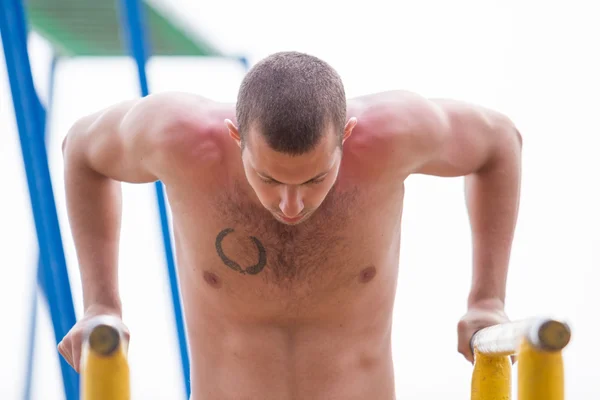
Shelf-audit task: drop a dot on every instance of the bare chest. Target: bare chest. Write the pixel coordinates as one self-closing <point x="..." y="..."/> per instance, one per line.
<point x="239" y="248"/>
<point x="250" y="241"/>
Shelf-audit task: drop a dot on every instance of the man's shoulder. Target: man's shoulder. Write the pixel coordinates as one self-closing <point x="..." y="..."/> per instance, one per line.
<point x="395" y="113"/>
<point x="397" y="126"/>
<point x="193" y="131"/>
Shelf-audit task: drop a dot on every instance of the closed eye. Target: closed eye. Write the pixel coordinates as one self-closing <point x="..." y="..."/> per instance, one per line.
<point x="274" y="182"/>
<point x="315" y="181"/>
<point x="269" y="181"/>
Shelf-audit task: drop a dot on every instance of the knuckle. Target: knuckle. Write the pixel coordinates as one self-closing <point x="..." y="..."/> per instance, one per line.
<point x="462" y="325"/>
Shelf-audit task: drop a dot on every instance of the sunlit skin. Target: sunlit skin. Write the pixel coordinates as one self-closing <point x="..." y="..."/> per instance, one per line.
<point x="288" y="265"/>
<point x="291" y="187"/>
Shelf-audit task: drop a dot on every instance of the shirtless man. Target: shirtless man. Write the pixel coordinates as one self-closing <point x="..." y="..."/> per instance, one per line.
<point x="286" y="212"/>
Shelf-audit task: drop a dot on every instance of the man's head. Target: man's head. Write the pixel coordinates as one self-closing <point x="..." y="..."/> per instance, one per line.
<point x="291" y="115"/>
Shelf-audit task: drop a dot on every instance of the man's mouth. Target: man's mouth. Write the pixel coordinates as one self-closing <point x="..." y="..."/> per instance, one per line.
<point x="290" y="220"/>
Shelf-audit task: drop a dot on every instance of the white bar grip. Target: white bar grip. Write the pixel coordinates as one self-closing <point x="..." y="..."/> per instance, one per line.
<point x="504" y="339"/>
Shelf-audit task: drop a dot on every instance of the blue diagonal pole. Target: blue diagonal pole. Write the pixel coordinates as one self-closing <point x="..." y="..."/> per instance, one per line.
<point x="135" y="35"/>
<point x="39" y="267"/>
<point x="31" y="339"/>
<point x="30" y="122"/>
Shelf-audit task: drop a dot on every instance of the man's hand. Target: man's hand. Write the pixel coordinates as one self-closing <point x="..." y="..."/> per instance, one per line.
<point x="480" y="315"/>
<point x="71" y="345"/>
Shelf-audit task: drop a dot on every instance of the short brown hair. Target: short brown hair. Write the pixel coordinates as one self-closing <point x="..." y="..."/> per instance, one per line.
<point x="292" y="98"/>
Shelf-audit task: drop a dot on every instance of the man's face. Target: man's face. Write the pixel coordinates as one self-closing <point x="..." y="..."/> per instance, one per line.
<point x="292" y="187"/>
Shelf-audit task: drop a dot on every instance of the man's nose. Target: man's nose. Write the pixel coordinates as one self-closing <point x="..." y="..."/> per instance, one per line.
<point x="291" y="204"/>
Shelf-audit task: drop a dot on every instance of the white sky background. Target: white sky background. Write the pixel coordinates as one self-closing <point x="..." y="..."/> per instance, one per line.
<point x="536" y="61"/>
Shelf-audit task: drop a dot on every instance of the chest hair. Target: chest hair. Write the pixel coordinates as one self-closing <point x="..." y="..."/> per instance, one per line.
<point x="251" y="241"/>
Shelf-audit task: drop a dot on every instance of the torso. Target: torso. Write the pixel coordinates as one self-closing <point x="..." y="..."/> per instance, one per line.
<point x="289" y="312"/>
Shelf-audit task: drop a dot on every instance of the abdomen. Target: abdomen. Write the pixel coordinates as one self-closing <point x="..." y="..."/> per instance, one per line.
<point x="340" y="360"/>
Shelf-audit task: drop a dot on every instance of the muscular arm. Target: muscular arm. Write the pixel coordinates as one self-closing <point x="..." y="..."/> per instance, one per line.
<point x="450" y="138"/>
<point x="485" y="147"/>
<point x="128" y="142"/>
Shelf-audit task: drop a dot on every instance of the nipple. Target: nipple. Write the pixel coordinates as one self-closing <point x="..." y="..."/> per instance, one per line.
<point x="367" y="274"/>
<point x="212" y="279"/>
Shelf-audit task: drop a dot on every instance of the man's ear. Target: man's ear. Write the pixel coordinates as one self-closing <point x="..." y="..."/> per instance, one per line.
<point x="349" y="127"/>
<point x="234" y="133"/>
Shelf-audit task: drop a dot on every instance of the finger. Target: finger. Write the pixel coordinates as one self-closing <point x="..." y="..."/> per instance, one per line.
<point x="127" y="337"/>
<point x="61" y="348"/>
<point x="126" y="333"/>
<point x="64" y="351"/>
<point x="76" y="361"/>
<point x="465" y="332"/>
<point x="465" y="351"/>
<point x="76" y="355"/>
<point x="67" y="355"/>
<point x="469" y="356"/>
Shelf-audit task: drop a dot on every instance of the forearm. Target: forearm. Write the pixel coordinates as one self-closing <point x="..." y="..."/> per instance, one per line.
<point x="492" y="196"/>
<point x="94" y="212"/>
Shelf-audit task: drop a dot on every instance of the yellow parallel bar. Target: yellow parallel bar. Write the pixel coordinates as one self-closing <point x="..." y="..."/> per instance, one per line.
<point x="538" y="343"/>
<point x="491" y="377"/>
<point x="104" y="366"/>
<point x="541" y="373"/>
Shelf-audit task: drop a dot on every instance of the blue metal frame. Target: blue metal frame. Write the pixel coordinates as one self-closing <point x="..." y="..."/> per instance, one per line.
<point x="39" y="278"/>
<point x="30" y="121"/>
<point x="136" y="38"/>
<point x="31" y="340"/>
<point x="52" y="273"/>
